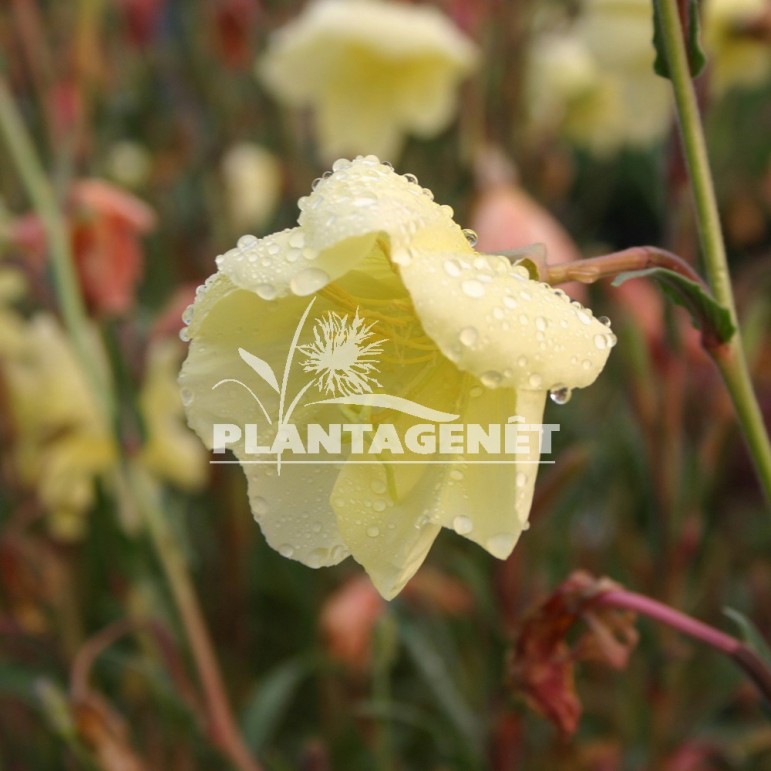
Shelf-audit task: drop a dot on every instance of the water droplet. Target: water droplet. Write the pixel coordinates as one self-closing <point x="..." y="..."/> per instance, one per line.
<point x="471" y="236"/>
<point x="604" y="320"/>
<point x="523" y="318"/>
<point x="525" y="295"/>
<point x="473" y="288"/>
<point x="187" y="314"/>
<point x="509" y="302"/>
<point x="316" y="528"/>
<point x="296" y="240"/>
<point x="378" y="486"/>
<point x="373" y="532"/>
<point x="476" y="391"/>
<point x="535" y="381"/>
<point x="341" y="164"/>
<point x="583" y="317"/>
<point x="522" y="361"/>
<point x="308" y="281"/>
<point x="462" y="525"/>
<point x="428" y="193"/>
<point x="456" y="474"/>
<point x="601" y="342"/>
<point x="274" y="249"/>
<point x="540" y="323"/>
<point x="468" y="336"/>
<point x="364" y="201"/>
<point x="498" y="313"/>
<point x="520" y="479"/>
<point x="187" y="396"/>
<point x="379" y="505"/>
<point x="259" y="506"/>
<point x="411" y="178"/>
<point x="586" y="364"/>
<point x="612" y="340"/>
<point x="491" y="379"/>
<point x="184" y="334"/>
<point x="452" y="268"/>
<point x="245" y="242"/>
<point x="316" y="182"/>
<point x="285" y="550"/>
<point x="500" y="545"/>
<point x="560" y="394"/>
<point x="266" y="291"/>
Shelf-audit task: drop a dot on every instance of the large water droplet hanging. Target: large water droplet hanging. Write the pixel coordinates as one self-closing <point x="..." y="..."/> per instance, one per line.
<point x="471" y="236"/>
<point x="560" y="394"/>
<point x="462" y="525"/>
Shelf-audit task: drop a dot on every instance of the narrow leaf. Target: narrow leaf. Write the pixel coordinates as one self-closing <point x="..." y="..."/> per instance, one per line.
<point x="708" y="315"/>
<point x="750" y="634"/>
<point x="387" y="402"/>
<point x="262" y="368"/>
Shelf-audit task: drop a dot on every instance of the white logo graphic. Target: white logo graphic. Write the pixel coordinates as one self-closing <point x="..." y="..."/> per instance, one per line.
<point x="342" y="360"/>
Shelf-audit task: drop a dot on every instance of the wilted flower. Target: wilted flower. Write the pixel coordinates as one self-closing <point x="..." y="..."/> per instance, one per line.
<point x="594" y="81"/>
<point x="737" y="56"/>
<point x="252" y="179"/>
<point x="372" y="71"/>
<point x="464" y="333"/>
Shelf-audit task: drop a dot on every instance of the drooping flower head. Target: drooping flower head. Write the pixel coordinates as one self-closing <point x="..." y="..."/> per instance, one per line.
<point x="437" y="334"/>
<point x="372" y="71"/>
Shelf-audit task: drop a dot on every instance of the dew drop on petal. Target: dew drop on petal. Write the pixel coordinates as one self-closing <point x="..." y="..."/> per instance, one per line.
<point x="259" y="506"/>
<point x="297" y="240"/>
<point x="540" y="323"/>
<point x="308" y="281"/>
<point x="535" y="381"/>
<point x="285" y="550"/>
<point x="520" y="479"/>
<point x="491" y="379"/>
<point x="462" y="525"/>
<point x="341" y="164"/>
<point x="184" y="334"/>
<point x="468" y="336"/>
<point x="364" y="201"/>
<point x="456" y="474"/>
<point x="601" y="342"/>
<point x="245" y="242"/>
<point x="187" y="396"/>
<point x="471" y="236"/>
<point x="187" y="314"/>
<point x="604" y="320"/>
<point x="476" y="391"/>
<point x="452" y="268"/>
<point x="586" y="364"/>
<point x="373" y="532"/>
<point x="522" y="361"/>
<point x="509" y="302"/>
<point x="411" y="178"/>
<point x="317" y="557"/>
<point x="560" y="394"/>
<point x="378" y="486"/>
<point x="473" y="288"/>
<point x="612" y="340"/>
<point x="379" y="505"/>
<point x="266" y="291"/>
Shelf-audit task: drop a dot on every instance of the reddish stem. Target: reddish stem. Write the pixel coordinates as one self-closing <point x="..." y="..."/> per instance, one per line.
<point x="746" y="658"/>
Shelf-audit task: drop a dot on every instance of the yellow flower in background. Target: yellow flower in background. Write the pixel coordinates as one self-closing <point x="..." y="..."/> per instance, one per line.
<point x="252" y="179"/>
<point x="61" y="442"/>
<point x="170" y="451"/>
<point x="736" y="58"/>
<point x="389" y="277"/>
<point x="372" y="71"/>
<point x="594" y="81"/>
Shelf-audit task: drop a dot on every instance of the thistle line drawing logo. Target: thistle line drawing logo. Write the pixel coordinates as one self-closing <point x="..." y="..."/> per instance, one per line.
<point x="342" y="362"/>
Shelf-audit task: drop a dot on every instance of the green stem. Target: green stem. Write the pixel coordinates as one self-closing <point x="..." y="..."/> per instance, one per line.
<point x="732" y="362"/>
<point x="40" y="191"/>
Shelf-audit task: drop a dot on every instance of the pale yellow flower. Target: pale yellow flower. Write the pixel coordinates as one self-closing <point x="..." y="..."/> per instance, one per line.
<point x="252" y="180"/>
<point x="736" y="59"/>
<point x="170" y="451"/>
<point x="61" y="442"/>
<point x="372" y="71"/>
<point x="594" y="80"/>
<point x="458" y="331"/>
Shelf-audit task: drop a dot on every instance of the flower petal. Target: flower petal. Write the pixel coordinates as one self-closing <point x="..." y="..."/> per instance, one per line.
<point x="489" y="503"/>
<point x="509" y="331"/>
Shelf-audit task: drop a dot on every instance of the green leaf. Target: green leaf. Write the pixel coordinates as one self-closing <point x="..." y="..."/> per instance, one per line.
<point x="707" y="314"/>
<point x="750" y="634"/>
<point x="697" y="59"/>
